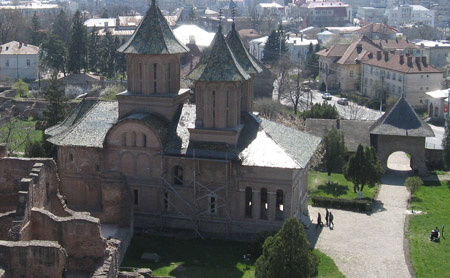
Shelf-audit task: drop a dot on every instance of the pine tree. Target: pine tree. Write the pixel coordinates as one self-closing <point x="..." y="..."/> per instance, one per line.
<point x="93" y="51"/>
<point x="275" y="46"/>
<point x="335" y="151"/>
<point x="77" y="45"/>
<point x="53" y="54"/>
<point x="363" y="168"/>
<point x="107" y="55"/>
<point x="287" y="254"/>
<point x="35" y="30"/>
<point x="120" y="58"/>
<point x="61" y="26"/>
<point x="312" y="61"/>
<point x="56" y="107"/>
<point x="446" y="145"/>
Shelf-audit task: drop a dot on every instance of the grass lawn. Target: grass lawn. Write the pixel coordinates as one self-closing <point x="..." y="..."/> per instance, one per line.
<point x="20" y="130"/>
<point x="430" y="259"/>
<point x="203" y="258"/>
<point x="339" y="187"/>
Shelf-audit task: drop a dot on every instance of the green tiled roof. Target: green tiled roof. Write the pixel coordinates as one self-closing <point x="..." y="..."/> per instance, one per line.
<point x="153" y="36"/>
<point x="218" y="63"/>
<point x="244" y="58"/>
<point x="92" y="121"/>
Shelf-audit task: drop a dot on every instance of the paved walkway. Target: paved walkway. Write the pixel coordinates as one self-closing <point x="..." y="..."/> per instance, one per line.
<point x="365" y="245"/>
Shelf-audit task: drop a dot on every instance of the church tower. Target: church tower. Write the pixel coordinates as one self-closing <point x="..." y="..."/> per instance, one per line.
<point x="219" y="79"/>
<point x="248" y="63"/>
<point x="153" y="69"/>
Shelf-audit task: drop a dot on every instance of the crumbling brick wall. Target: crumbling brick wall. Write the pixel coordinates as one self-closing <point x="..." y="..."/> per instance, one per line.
<point x="79" y="235"/>
<point x="32" y="258"/>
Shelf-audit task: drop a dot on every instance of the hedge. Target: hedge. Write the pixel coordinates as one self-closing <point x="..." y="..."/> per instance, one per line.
<point x="337" y="203"/>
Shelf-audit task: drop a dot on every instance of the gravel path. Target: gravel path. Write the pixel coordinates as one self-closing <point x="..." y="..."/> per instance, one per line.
<point x="369" y="245"/>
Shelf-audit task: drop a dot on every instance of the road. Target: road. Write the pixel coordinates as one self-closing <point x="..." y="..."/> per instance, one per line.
<point x="352" y="111"/>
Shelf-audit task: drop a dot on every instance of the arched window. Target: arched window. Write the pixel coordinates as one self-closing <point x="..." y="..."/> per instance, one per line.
<point x="248" y="202"/>
<point x="178" y="175"/>
<point x="133" y="139"/>
<point x="144" y="140"/>
<point x="279" y="214"/>
<point x="264" y="203"/>
<point x="124" y="139"/>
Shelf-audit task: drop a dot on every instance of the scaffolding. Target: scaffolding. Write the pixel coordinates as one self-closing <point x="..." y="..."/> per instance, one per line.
<point x="195" y="213"/>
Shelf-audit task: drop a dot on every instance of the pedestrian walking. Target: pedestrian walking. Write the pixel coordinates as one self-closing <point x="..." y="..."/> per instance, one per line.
<point x="331" y="217"/>
<point x="327" y="214"/>
<point x="319" y="220"/>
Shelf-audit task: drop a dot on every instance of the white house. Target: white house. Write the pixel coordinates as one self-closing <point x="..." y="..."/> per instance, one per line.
<point x="405" y="14"/>
<point x="297" y="46"/>
<point x="19" y="60"/>
<point x="269" y="9"/>
<point x="257" y="47"/>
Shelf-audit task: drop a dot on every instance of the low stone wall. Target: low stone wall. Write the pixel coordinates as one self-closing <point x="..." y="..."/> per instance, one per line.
<point x="79" y="235"/>
<point x="32" y="258"/>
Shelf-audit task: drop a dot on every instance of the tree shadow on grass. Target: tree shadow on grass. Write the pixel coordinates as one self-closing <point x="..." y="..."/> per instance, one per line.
<point x="334" y="189"/>
<point x="416" y="199"/>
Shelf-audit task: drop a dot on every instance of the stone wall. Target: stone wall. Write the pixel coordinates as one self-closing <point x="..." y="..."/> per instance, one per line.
<point x="79" y="234"/>
<point x="12" y="170"/>
<point x="6" y="223"/>
<point x="32" y="259"/>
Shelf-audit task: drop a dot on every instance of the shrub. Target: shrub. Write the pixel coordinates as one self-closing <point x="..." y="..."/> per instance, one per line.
<point x="322" y="111"/>
<point x="337" y="203"/>
<point x="34" y="149"/>
<point x="255" y="246"/>
<point x="110" y="92"/>
<point x="21" y="88"/>
<point x="269" y="108"/>
<point x="413" y="184"/>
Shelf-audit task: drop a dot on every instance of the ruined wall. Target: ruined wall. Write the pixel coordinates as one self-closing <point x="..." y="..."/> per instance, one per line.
<point x="6" y="222"/>
<point x="80" y="170"/>
<point x="117" y="206"/>
<point x="12" y="170"/>
<point x="32" y="259"/>
<point x="79" y="235"/>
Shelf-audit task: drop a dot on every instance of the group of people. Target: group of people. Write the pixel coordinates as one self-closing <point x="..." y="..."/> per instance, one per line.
<point x="329" y="217"/>
<point x="434" y="234"/>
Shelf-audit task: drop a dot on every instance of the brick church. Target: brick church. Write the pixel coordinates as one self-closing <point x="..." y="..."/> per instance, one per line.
<point x="213" y="166"/>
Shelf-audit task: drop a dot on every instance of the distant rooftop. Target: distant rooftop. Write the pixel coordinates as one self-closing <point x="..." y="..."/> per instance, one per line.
<point x="18" y="48"/>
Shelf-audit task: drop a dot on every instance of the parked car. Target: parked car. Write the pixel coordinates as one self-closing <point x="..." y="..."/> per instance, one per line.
<point x="343" y="101"/>
<point x="326" y="96"/>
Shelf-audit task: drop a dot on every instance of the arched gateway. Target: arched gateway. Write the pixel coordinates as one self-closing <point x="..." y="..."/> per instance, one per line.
<point x="400" y="129"/>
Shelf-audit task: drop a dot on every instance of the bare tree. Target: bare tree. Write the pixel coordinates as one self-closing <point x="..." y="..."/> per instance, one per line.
<point x="295" y="91"/>
<point x="11" y="25"/>
<point x="354" y="111"/>
<point x="12" y="130"/>
<point x="282" y="69"/>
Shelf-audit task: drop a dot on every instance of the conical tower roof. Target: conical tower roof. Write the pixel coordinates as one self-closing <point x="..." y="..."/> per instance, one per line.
<point x="153" y="36"/>
<point x="244" y="58"/>
<point x="401" y="120"/>
<point x="218" y="63"/>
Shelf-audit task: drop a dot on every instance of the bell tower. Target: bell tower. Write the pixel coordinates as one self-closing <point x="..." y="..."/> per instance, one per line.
<point x="248" y="63"/>
<point x="153" y="69"/>
<point x="219" y="81"/>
